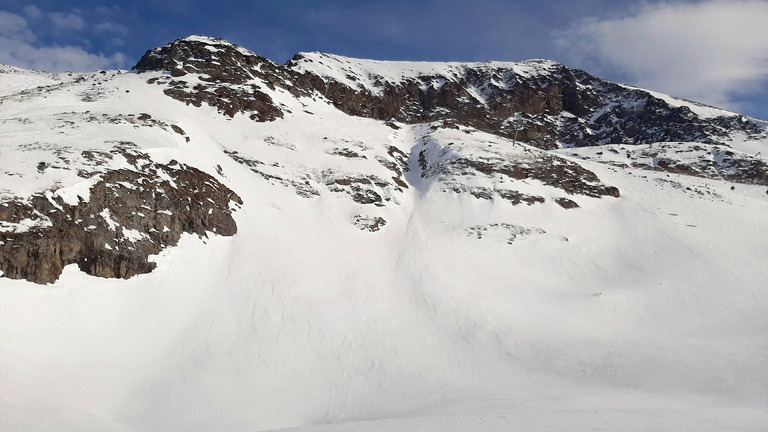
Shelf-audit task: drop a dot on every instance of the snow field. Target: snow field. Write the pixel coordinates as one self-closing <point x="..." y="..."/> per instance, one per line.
<point x="651" y="316"/>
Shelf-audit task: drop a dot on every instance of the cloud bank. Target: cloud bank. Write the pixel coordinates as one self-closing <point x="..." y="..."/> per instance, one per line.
<point x="21" y="45"/>
<point x="709" y="51"/>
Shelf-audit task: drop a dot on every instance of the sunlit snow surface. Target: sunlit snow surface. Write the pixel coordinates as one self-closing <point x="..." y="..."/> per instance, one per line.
<point x="370" y="75"/>
<point x="643" y="313"/>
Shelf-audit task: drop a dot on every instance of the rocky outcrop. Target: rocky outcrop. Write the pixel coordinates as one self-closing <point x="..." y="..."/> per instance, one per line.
<point x="453" y="169"/>
<point x="556" y="106"/>
<point x="307" y="183"/>
<point x="215" y="60"/>
<point x="227" y="100"/>
<point x="692" y="159"/>
<point x="228" y="71"/>
<point x="133" y="211"/>
<point x="505" y="232"/>
<point x="416" y="100"/>
<point x="551" y="171"/>
<point x="129" y="215"/>
<point x="566" y="203"/>
<point x="543" y="103"/>
<point x="369" y="223"/>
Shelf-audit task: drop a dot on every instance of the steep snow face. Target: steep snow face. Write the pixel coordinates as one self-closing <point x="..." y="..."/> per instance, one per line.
<point x="701" y="110"/>
<point x="384" y="275"/>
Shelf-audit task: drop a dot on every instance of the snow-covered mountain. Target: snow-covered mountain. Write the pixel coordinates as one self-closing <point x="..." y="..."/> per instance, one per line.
<point x="217" y="241"/>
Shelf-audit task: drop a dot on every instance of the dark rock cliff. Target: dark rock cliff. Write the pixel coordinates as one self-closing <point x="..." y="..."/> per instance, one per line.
<point x="129" y="215"/>
<point x="227" y="70"/>
<point x="560" y="106"/>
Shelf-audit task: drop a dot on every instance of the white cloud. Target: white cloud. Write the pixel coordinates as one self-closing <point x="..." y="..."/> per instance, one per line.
<point x="709" y="51"/>
<point x="67" y="21"/>
<point x="19" y="47"/>
<point x="111" y="27"/>
<point x="65" y="58"/>
<point x="33" y="12"/>
<point x="14" y="27"/>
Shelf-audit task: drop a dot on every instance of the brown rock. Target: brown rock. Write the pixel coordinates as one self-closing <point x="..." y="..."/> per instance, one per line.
<point x="130" y="215"/>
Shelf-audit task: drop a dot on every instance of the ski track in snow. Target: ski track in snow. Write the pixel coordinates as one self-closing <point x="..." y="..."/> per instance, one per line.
<point x="651" y="316"/>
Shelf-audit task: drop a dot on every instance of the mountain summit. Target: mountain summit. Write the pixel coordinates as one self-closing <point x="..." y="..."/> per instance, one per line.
<point x="217" y="241"/>
<point x="544" y="102"/>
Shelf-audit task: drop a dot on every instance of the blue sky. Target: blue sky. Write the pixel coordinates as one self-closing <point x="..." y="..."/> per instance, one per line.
<point x="714" y="51"/>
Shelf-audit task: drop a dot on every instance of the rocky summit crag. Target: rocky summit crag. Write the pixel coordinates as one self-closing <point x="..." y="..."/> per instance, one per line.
<point x="547" y="104"/>
<point x="106" y="169"/>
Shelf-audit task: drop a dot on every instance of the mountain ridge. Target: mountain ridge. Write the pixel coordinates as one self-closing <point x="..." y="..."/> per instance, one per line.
<point x="524" y="102"/>
<point x="222" y="242"/>
<point x="555" y="106"/>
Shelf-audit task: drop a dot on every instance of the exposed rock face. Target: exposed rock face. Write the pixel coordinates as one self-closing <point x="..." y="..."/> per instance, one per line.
<point x="129" y="215"/>
<point x="134" y="211"/>
<point x="367" y="189"/>
<point x="543" y="103"/>
<point x="551" y="171"/>
<point x="566" y="203"/>
<point x="503" y="231"/>
<point x="416" y="100"/>
<point x="551" y="107"/>
<point x="453" y="169"/>
<point x="369" y="223"/>
<point x="216" y="60"/>
<point x="693" y="159"/>
<point x="227" y="70"/>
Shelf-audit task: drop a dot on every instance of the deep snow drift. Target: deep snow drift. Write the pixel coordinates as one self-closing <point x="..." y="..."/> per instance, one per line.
<point x="643" y="312"/>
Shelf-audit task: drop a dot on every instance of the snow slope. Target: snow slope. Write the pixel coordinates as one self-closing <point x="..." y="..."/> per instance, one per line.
<point x="646" y="312"/>
<point x="370" y="75"/>
<point x="14" y="80"/>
